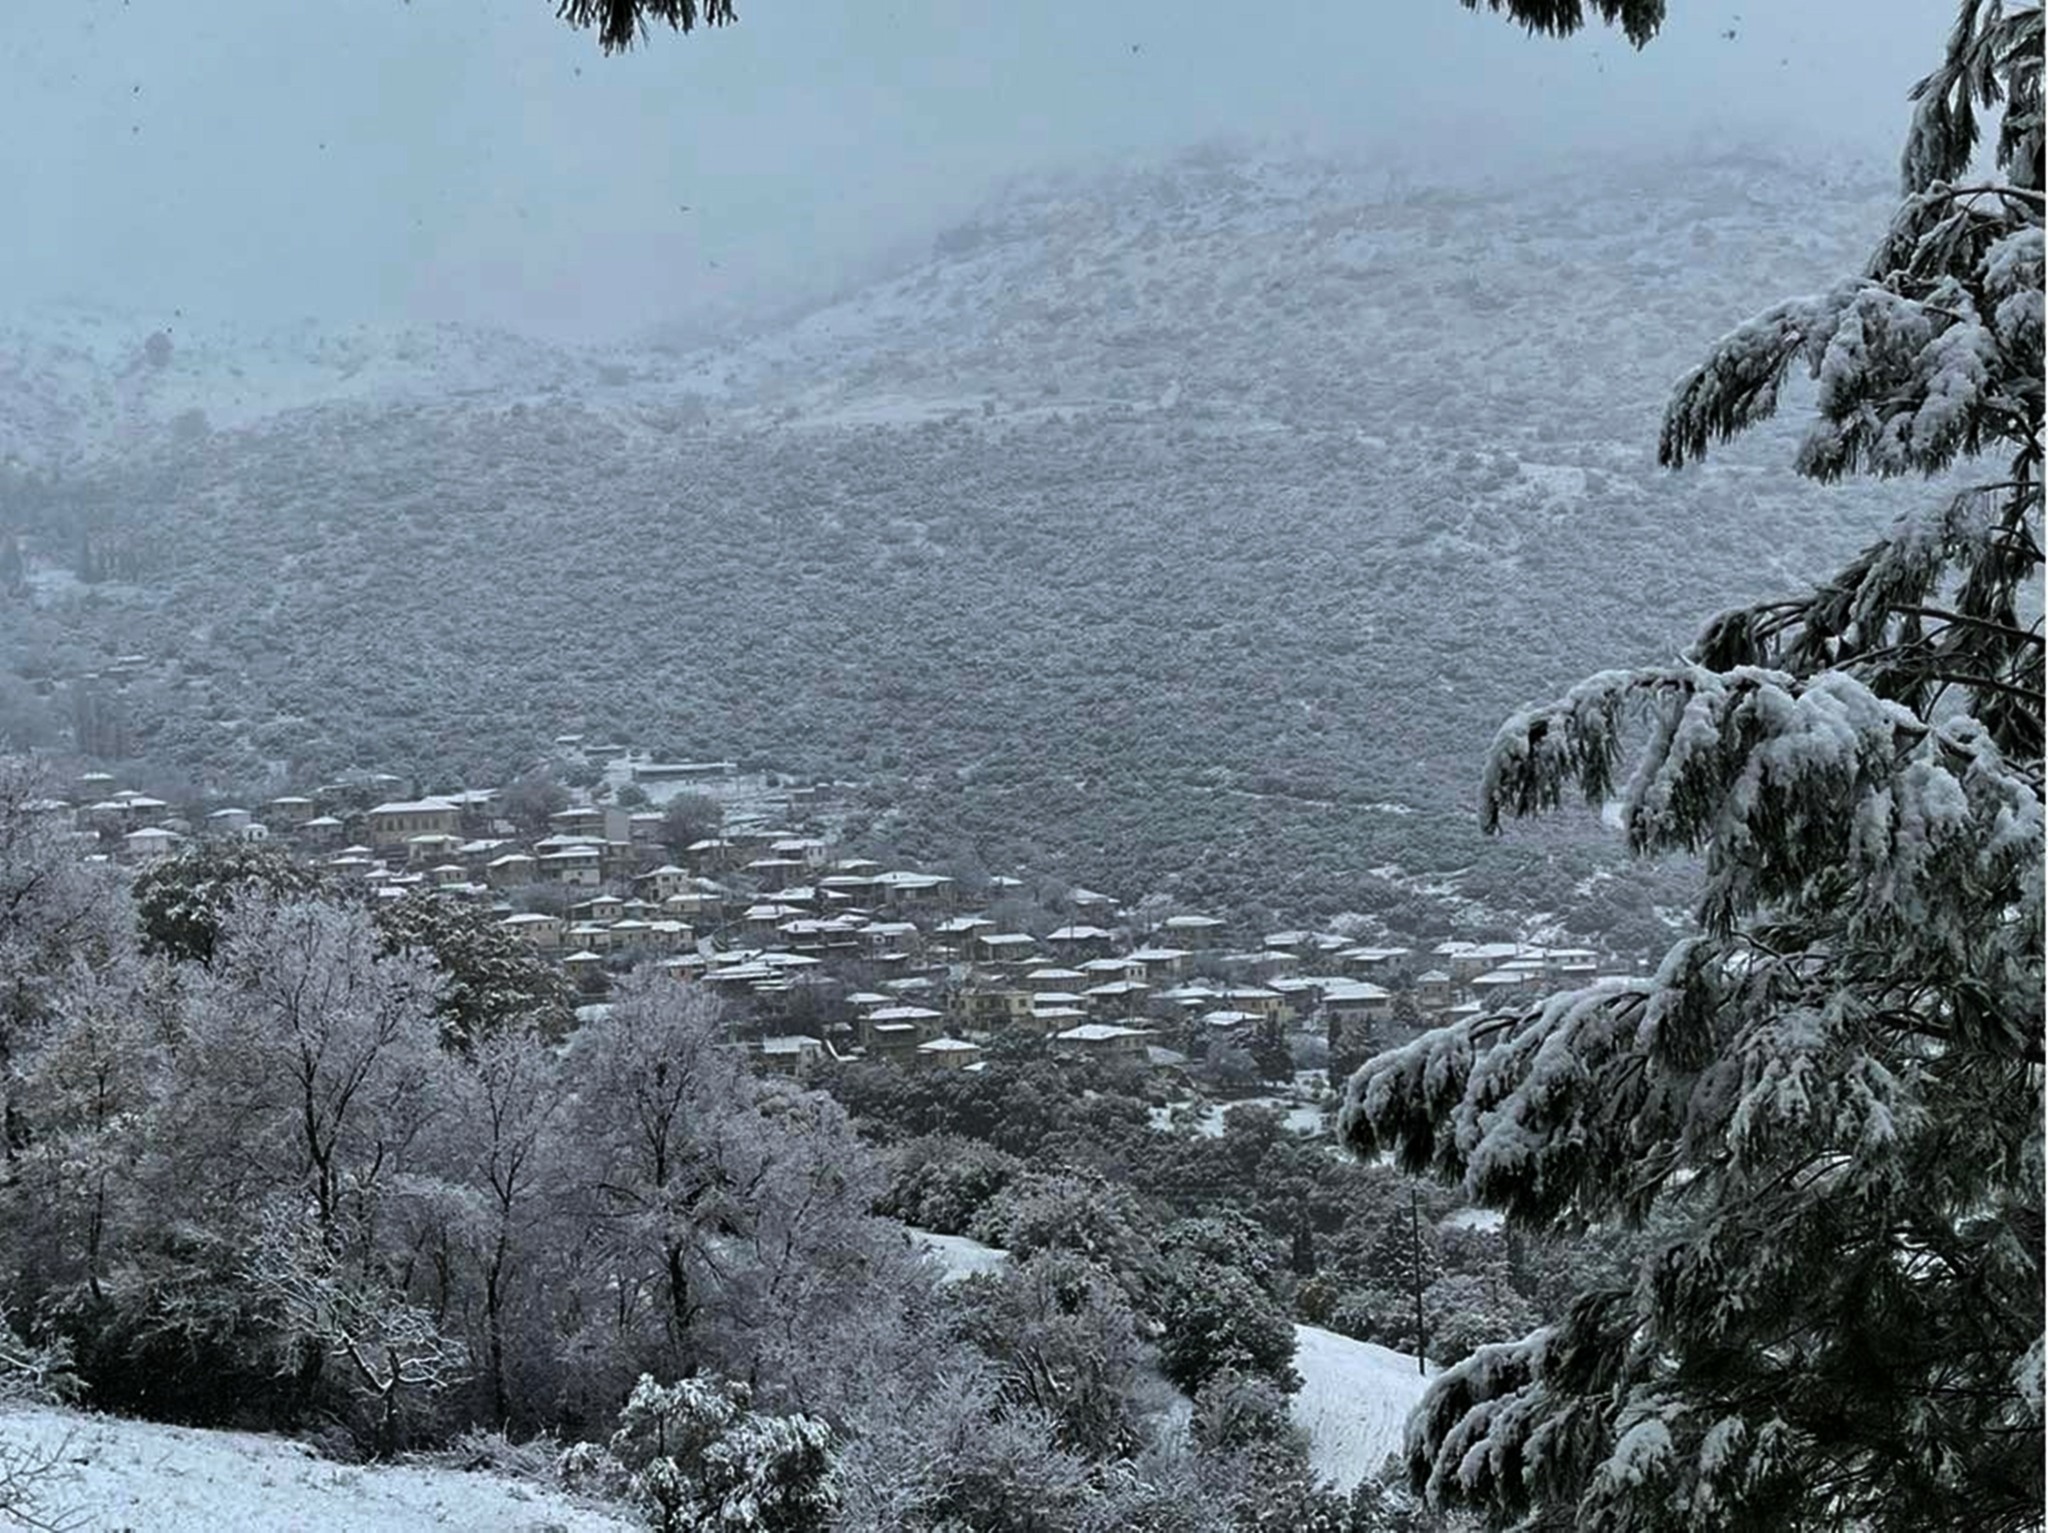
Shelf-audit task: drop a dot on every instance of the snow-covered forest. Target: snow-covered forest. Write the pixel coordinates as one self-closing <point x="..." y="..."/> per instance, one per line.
<point x="1202" y="528"/>
<point x="1186" y="529"/>
<point x="260" y="1175"/>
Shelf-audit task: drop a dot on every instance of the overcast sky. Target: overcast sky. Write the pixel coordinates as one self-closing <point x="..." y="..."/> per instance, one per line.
<point x="476" y="160"/>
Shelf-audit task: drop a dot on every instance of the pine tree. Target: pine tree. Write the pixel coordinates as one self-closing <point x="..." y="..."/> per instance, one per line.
<point x="700" y="1457"/>
<point x="621" y="23"/>
<point x="1826" y="1108"/>
<point x="182" y="902"/>
<point x="493" y="980"/>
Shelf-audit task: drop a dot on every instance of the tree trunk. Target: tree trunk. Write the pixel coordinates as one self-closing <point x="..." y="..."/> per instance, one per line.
<point x="494" y="1339"/>
<point x="678" y="1294"/>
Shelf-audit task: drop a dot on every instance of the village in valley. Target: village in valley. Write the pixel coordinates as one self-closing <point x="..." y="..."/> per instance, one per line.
<point x="732" y="880"/>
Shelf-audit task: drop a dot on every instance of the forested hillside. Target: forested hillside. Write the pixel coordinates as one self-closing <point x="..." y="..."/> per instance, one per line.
<point x="1190" y="528"/>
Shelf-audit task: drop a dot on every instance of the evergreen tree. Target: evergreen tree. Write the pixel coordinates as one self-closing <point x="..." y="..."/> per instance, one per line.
<point x="182" y="902"/>
<point x="493" y="979"/>
<point x="700" y="1457"/>
<point x="688" y="818"/>
<point x="1269" y="1051"/>
<point x="1213" y="1317"/>
<point x="621" y="23"/>
<point x="1065" y="1344"/>
<point x="1827" y="1107"/>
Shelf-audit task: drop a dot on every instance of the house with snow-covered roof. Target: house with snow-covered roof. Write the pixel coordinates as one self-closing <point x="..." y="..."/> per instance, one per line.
<point x="947" y="1054"/>
<point x="1115" y="997"/>
<point x="510" y="870"/>
<point x="1002" y="947"/>
<point x="1053" y="979"/>
<point x="789" y="1053"/>
<point x="149" y="844"/>
<point x="1155" y="964"/>
<point x="390" y="824"/>
<point x="991" y="1009"/>
<point x="289" y="810"/>
<point x="1433" y="989"/>
<point x="1080" y="937"/>
<point x="902" y="889"/>
<point x="1374" y="962"/>
<point x="430" y="847"/>
<point x="1358" y="1000"/>
<point x="1260" y="1001"/>
<point x="1497" y="987"/>
<point x="1105" y="1040"/>
<point x="576" y="864"/>
<point x="1478" y="957"/>
<point x="541" y="930"/>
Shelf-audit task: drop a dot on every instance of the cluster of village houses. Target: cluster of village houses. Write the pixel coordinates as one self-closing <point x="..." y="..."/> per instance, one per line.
<point x="909" y="966"/>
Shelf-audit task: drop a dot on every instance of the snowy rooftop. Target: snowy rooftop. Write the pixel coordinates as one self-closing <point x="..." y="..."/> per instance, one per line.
<point x="1101" y="1032"/>
<point x="416" y="806"/>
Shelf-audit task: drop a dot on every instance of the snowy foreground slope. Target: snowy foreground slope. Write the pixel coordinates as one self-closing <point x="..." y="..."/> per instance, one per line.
<point x="139" y="1475"/>
<point x="1354" y="1398"/>
<point x="1354" y="1402"/>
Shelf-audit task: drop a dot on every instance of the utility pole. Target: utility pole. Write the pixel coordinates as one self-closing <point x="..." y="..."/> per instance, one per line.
<point x="1415" y="1274"/>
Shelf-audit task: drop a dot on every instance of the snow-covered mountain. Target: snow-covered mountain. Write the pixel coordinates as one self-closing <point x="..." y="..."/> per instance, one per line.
<point x="1162" y="526"/>
<point x="1276" y="291"/>
<point x="1259" y="289"/>
<point x="78" y="380"/>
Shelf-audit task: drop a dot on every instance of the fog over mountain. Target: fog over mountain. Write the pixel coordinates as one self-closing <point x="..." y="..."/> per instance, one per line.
<point x="450" y="160"/>
<point x="1216" y="497"/>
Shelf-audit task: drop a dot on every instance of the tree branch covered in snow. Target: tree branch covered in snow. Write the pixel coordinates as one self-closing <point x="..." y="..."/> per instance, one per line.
<point x="1826" y="1107"/>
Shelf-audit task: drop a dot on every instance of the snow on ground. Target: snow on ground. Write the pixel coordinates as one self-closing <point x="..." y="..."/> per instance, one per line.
<point x="136" y="1475"/>
<point x="1296" y="1117"/>
<point x="960" y="1256"/>
<point x="1354" y="1402"/>
<point x="1354" y="1399"/>
<point x="1303" y="1118"/>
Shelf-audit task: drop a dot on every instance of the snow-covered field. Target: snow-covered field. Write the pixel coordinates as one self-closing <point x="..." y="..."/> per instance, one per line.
<point x="1297" y="1117"/>
<point x="1354" y="1402"/>
<point x="960" y="1256"/>
<point x="119" y="1475"/>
